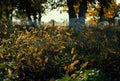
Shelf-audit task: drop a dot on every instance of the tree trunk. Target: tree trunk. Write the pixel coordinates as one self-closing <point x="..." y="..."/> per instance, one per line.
<point x="101" y="14"/>
<point x="83" y="8"/>
<point x="72" y="13"/>
<point x="39" y="18"/>
<point x="77" y="23"/>
<point x="9" y="17"/>
<point x="35" y="22"/>
<point x="82" y="12"/>
<point x="29" y="19"/>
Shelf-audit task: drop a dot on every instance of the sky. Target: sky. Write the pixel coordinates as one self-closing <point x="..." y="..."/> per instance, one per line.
<point x="118" y="1"/>
<point x="57" y="16"/>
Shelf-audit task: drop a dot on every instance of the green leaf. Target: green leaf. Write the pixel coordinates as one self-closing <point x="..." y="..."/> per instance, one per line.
<point x="2" y="65"/>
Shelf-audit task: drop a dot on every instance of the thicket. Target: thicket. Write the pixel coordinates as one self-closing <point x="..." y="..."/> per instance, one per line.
<point x="48" y="53"/>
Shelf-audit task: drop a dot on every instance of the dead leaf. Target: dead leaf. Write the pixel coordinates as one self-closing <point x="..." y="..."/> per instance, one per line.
<point x="72" y="50"/>
<point x="9" y="72"/>
<point x="84" y="65"/>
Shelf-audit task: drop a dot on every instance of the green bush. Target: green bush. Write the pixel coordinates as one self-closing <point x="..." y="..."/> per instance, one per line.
<point x="48" y="53"/>
<point x="86" y="75"/>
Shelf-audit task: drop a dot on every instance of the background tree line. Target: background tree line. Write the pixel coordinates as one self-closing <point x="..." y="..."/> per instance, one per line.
<point x="23" y="8"/>
<point x="26" y="8"/>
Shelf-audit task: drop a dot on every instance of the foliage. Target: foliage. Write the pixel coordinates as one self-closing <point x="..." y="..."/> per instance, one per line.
<point x="6" y="8"/>
<point x="109" y="12"/>
<point x="21" y="8"/>
<point x="86" y="75"/>
<point x="48" y="53"/>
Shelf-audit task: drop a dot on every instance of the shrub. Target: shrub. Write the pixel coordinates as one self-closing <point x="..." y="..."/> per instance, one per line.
<point x="47" y="53"/>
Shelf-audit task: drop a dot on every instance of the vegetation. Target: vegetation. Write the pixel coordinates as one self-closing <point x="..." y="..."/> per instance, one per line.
<point x="58" y="53"/>
<point x="50" y="53"/>
<point x="23" y="9"/>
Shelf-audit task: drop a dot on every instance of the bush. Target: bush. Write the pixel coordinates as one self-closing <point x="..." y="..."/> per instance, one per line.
<point x="86" y="75"/>
<point x="48" y="53"/>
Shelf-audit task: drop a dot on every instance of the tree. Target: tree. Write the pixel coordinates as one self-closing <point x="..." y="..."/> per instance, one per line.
<point x="25" y="6"/>
<point x="112" y="12"/>
<point x="103" y="4"/>
<point x="40" y="8"/>
<point x="6" y="9"/>
<point x="31" y="7"/>
<point x="77" y="22"/>
<point x="108" y="14"/>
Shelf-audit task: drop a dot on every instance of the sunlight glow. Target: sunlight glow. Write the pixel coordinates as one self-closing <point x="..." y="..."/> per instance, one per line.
<point x="55" y="15"/>
<point x="117" y="1"/>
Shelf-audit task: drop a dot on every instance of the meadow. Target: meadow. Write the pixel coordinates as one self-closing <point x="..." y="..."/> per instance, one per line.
<point x="54" y="53"/>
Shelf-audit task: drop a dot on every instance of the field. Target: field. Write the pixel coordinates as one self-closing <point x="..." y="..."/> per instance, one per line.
<point x="48" y="53"/>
